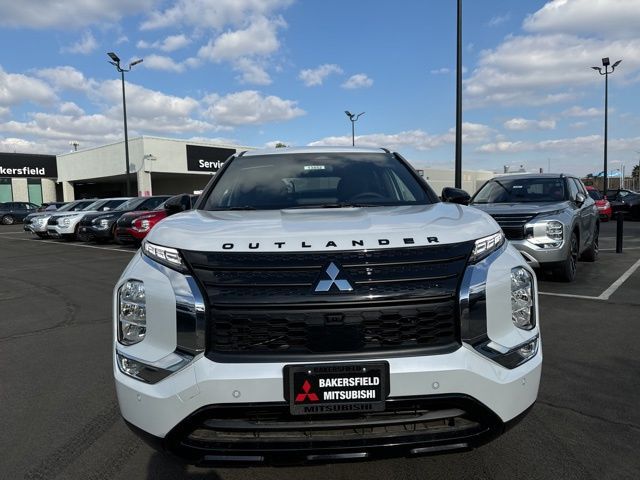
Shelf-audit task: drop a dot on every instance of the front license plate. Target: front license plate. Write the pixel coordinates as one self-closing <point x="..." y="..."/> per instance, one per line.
<point x="336" y="387"/>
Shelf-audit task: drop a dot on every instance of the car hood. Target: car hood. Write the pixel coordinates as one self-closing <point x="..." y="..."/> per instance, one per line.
<point x="520" y="208"/>
<point x="323" y="229"/>
<point x="73" y="214"/>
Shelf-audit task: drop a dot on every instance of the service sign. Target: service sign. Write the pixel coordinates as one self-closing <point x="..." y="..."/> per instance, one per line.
<point x="337" y="387"/>
<point x="206" y="159"/>
<point x="28" y="165"/>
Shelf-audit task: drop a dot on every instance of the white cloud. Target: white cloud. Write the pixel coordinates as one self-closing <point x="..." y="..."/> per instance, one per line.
<point x="605" y="18"/>
<point x="146" y="103"/>
<point x="359" y="80"/>
<point x="578" y="111"/>
<point x="586" y="145"/>
<point x="521" y="124"/>
<point x="251" y="72"/>
<point x="441" y="71"/>
<point x="20" y="145"/>
<point x="259" y="38"/>
<point x="499" y="20"/>
<point x="211" y="15"/>
<point x="312" y="77"/>
<point x="162" y="62"/>
<point x="66" y="78"/>
<point x="70" y="108"/>
<point x="417" y="139"/>
<point x="84" y="46"/>
<point x="250" y="107"/>
<point x="67" y="14"/>
<point x="16" y="88"/>
<point x="168" y="44"/>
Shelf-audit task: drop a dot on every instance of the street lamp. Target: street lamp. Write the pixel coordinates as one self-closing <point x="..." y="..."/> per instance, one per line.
<point x="115" y="61"/>
<point x="606" y="64"/>
<point x="458" y="153"/>
<point x="354" y="118"/>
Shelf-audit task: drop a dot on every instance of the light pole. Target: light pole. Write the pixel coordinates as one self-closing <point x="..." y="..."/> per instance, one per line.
<point x="606" y="63"/>
<point x="458" y="163"/>
<point x="115" y="61"/>
<point x="354" y="118"/>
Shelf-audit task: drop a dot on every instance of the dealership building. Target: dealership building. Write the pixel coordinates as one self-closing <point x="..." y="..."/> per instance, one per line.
<point x="157" y="166"/>
<point x="28" y="178"/>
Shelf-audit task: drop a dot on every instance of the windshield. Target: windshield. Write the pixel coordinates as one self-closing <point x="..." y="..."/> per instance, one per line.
<point x="95" y="205"/>
<point x="131" y="204"/>
<point x="315" y="180"/>
<point x="517" y="190"/>
<point x="596" y="195"/>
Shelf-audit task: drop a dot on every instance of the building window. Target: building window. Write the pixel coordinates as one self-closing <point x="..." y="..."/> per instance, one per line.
<point x="6" y="193"/>
<point x="34" y="186"/>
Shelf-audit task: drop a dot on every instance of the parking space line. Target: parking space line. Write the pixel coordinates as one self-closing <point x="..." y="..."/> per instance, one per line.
<point x="608" y="292"/>
<point x="52" y="242"/>
<point x="12" y="233"/>
<point x="615" y="285"/>
<point x="569" y="295"/>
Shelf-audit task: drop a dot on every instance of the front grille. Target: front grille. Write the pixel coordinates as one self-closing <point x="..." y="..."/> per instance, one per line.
<point x="513" y="224"/>
<point x="263" y="306"/>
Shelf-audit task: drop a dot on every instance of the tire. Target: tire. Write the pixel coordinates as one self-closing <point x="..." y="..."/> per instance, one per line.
<point x="567" y="271"/>
<point x="8" y="220"/>
<point x="591" y="253"/>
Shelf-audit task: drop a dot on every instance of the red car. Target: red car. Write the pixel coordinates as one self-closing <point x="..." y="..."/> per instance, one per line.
<point x="604" y="207"/>
<point x="132" y="227"/>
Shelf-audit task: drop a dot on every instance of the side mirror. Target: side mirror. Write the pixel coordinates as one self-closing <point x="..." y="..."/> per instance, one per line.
<point x="580" y="198"/>
<point x="106" y="209"/>
<point x="177" y="204"/>
<point x="455" y="195"/>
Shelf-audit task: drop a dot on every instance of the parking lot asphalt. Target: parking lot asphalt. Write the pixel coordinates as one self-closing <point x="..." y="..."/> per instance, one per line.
<point x="59" y="417"/>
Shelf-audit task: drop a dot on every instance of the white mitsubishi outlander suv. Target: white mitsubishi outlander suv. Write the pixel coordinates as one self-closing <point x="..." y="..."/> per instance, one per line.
<point x="321" y="305"/>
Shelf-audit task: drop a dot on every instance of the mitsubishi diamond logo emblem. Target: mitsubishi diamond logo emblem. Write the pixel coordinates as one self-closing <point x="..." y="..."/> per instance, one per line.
<point x="326" y="284"/>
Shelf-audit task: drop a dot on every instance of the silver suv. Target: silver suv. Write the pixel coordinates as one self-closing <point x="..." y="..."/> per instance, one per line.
<point x="550" y="218"/>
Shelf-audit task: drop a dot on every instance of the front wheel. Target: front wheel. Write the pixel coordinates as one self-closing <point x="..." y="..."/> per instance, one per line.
<point x="8" y="220"/>
<point x="567" y="271"/>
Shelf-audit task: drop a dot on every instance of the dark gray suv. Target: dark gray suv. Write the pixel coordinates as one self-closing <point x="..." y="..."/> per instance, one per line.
<point x="549" y="218"/>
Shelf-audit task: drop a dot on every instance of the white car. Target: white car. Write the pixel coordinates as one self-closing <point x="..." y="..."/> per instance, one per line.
<point x="65" y="224"/>
<point x="321" y="305"/>
<point x="36" y="223"/>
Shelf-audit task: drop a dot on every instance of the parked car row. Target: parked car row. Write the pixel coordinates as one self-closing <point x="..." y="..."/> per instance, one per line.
<point x="125" y="220"/>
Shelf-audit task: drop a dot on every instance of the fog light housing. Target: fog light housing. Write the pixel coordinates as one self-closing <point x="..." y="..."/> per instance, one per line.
<point x="132" y="313"/>
<point x="103" y="224"/>
<point x="65" y="222"/>
<point x="522" y="299"/>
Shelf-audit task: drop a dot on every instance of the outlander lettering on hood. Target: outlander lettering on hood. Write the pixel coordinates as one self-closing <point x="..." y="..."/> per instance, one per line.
<point x="338" y="243"/>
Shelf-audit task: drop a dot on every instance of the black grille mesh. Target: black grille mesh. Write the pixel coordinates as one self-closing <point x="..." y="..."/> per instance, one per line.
<point x="263" y="305"/>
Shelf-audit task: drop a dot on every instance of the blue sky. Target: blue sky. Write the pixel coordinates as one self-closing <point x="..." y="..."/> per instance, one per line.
<point x="254" y="72"/>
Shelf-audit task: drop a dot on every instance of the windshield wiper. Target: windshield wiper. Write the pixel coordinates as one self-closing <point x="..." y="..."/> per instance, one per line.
<point x="241" y="207"/>
<point x="335" y="205"/>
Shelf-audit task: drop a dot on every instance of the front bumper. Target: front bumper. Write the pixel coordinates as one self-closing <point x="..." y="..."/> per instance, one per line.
<point x="129" y="235"/>
<point x="538" y="257"/>
<point x="87" y="233"/>
<point x="264" y="434"/>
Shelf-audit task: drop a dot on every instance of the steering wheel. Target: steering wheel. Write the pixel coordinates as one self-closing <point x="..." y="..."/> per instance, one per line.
<point x="367" y="195"/>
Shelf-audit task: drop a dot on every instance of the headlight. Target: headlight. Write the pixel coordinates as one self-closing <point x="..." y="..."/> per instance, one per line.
<point x="486" y="246"/>
<point x="522" y="303"/>
<point x="141" y="225"/>
<point x="169" y="257"/>
<point x="132" y="312"/>
<point x="546" y="234"/>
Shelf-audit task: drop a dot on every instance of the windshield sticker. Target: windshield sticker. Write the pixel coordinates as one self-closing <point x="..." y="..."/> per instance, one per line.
<point x="314" y="167"/>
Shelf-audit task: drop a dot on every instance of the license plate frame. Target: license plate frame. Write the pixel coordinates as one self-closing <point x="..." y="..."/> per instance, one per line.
<point x="310" y="399"/>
